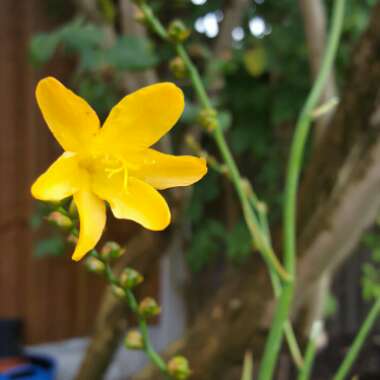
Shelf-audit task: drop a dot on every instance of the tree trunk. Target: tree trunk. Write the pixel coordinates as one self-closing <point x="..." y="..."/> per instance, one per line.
<point x="340" y="198"/>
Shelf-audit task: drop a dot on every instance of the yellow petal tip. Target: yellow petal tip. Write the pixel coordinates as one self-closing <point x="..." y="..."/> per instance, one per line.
<point x="77" y="256"/>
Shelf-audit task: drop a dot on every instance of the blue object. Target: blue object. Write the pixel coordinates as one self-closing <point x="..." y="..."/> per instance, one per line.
<point x="10" y="338"/>
<point x="39" y="368"/>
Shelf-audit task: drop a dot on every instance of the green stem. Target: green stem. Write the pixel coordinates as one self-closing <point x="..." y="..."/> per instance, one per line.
<point x="311" y="349"/>
<point x="274" y="341"/>
<point x="150" y="351"/>
<point x="143" y="326"/>
<point x="288" y="329"/>
<point x="155" y="24"/>
<point x="204" y="100"/>
<point x="358" y="342"/>
<point x="257" y="227"/>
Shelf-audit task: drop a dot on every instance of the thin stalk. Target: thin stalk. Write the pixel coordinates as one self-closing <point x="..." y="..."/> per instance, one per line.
<point x="359" y="340"/>
<point x="249" y="215"/>
<point x="311" y="349"/>
<point x="256" y="204"/>
<point x="148" y="348"/>
<point x="277" y="287"/>
<point x="143" y="326"/>
<point x="254" y="225"/>
<point x="274" y="340"/>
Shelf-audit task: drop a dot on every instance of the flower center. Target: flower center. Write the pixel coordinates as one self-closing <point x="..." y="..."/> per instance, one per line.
<point x="108" y="164"/>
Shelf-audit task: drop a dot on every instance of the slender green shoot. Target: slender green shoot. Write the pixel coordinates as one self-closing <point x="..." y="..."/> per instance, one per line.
<point x="359" y="340"/>
<point x="273" y="343"/>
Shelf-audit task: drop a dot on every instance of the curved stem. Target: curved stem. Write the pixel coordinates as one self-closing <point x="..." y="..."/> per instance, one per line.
<point x="204" y="100"/>
<point x="274" y="341"/>
<point x="358" y="342"/>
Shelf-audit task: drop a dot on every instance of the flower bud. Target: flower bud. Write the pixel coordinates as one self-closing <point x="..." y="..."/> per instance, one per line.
<point x="139" y="16"/>
<point x="208" y="119"/>
<point x="178" y="367"/>
<point x="111" y="251"/>
<point x="118" y="292"/>
<point x="94" y="265"/>
<point x="59" y="219"/>
<point x="134" y="340"/>
<point x="178" y="32"/>
<point x="192" y="143"/>
<point x="149" y="308"/>
<point x="130" y="278"/>
<point x="73" y="239"/>
<point x="178" y="68"/>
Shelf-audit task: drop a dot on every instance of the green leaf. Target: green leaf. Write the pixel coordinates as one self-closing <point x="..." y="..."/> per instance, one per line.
<point x="239" y="244"/>
<point x="191" y="113"/>
<point x="53" y="246"/>
<point x="132" y="53"/>
<point x="331" y="305"/>
<point x="42" y="47"/>
<point x="206" y="242"/>
<point x="206" y="191"/>
<point x="78" y="35"/>
<point x="225" y="119"/>
<point x="91" y="60"/>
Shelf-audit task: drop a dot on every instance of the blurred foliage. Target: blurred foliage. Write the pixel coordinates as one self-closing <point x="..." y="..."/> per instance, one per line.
<point x="262" y="83"/>
<point x="331" y="305"/>
<point x="52" y="245"/>
<point x="370" y="281"/>
<point x="89" y="43"/>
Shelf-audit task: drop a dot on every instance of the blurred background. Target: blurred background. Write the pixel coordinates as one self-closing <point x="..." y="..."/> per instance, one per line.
<point x="258" y="59"/>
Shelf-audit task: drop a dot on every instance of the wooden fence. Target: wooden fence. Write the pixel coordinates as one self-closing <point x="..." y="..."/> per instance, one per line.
<point x="55" y="298"/>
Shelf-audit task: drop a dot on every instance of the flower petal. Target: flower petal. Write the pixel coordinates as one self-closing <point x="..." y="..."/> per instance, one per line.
<point x="163" y="171"/>
<point x="138" y="201"/>
<point x="92" y="219"/>
<point x="62" y="179"/>
<point x="143" y="117"/>
<point x="69" y="117"/>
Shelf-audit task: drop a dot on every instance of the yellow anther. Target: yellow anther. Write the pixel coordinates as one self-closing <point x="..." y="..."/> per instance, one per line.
<point x="111" y="172"/>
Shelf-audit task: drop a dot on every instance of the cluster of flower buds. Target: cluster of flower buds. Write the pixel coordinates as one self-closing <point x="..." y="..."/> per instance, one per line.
<point x="96" y="263"/>
<point x="128" y="279"/>
<point x="178" y="368"/>
<point x="178" y="32"/>
<point x="134" y="340"/>
<point x="148" y="308"/>
<point x="178" y="68"/>
<point x="111" y="251"/>
<point x="208" y="119"/>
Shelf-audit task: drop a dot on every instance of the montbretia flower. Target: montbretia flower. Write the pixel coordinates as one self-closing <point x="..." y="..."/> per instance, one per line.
<point x="113" y="163"/>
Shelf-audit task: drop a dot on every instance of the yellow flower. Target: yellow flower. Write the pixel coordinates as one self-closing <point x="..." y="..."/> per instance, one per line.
<point x="113" y="163"/>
